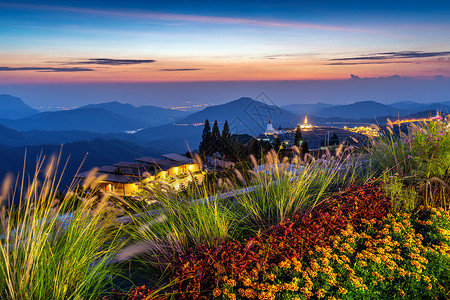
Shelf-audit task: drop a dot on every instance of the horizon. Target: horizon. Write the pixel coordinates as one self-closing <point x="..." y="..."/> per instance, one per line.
<point x="193" y="47"/>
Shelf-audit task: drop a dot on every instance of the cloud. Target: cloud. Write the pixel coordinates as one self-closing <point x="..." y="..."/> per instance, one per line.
<point x="112" y="62"/>
<point x="273" y="23"/>
<point x="176" y="70"/>
<point x="395" y="55"/>
<point x="46" y="69"/>
<point x="368" y="63"/>
<point x="393" y="77"/>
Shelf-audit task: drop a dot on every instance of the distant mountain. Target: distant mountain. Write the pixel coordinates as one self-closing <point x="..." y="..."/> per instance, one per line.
<point x="14" y="108"/>
<point x="10" y="137"/>
<point x="150" y="115"/>
<point x="244" y="115"/>
<point x="84" y="119"/>
<point x="307" y="108"/>
<point x="42" y="137"/>
<point x="414" y="107"/>
<point x="175" y="135"/>
<point x="98" y="152"/>
<point x="361" y="110"/>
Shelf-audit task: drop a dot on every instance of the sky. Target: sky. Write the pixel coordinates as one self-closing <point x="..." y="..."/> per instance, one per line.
<point x="175" y="51"/>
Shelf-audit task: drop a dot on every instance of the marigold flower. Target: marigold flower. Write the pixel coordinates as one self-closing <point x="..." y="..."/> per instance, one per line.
<point x="217" y="292"/>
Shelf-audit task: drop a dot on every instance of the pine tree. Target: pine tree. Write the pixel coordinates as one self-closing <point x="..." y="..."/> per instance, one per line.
<point x="298" y="136"/>
<point x="277" y="145"/>
<point x="305" y="148"/>
<point x="334" y="140"/>
<point x="225" y="142"/>
<point x="205" y="144"/>
<point x="215" y="137"/>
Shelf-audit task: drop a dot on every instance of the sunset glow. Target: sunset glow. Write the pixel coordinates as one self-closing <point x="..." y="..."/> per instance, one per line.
<point x="48" y="43"/>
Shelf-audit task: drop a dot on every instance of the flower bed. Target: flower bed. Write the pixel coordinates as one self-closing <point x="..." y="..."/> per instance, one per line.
<point x="349" y="247"/>
<point x="203" y="271"/>
<point x="381" y="259"/>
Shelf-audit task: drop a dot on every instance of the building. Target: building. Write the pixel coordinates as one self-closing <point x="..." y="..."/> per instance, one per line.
<point x="306" y="126"/>
<point x="123" y="178"/>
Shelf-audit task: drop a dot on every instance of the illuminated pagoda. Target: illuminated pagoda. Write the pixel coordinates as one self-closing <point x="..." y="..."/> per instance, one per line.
<point x="306" y="126"/>
<point x="269" y="129"/>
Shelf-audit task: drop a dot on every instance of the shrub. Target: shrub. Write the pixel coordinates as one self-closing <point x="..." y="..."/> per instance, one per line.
<point x="46" y="254"/>
<point x="207" y="267"/>
<point x="400" y="256"/>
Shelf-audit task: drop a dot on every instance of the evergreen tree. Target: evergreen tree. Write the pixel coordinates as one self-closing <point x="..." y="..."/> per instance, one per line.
<point x="298" y="136"/>
<point x="255" y="147"/>
<point x="215" y="138"/>
<point x="334" y="140"/>
<point x="277" y="145"/>
<point x="305" y="148"/>
<point x="225" y="142"/>
<point x="267" y="146"/>
<point x="226" y="134"/>
<point x="205" y="144"/>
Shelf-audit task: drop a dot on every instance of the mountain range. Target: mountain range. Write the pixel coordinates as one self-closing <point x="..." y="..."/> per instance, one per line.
<point x="101" y="128"/>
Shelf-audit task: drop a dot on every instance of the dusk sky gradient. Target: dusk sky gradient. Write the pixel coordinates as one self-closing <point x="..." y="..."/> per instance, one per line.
<point x="97" y="43"/>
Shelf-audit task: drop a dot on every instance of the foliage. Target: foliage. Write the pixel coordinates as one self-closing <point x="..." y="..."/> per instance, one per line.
<point x="215" y="138"/>
<point x="298" y="136"/>
<point x="206" y="139"/>
<point x="48" y="254"/>
<point x="430" y="148"/>
<point x="285" y="189"/>
<point x="177" y="225"/>
<point x="305" y="147"/>
<point x="393" y="257"/>
<point x="403" y="197"/>
<point x="207" y="267"/>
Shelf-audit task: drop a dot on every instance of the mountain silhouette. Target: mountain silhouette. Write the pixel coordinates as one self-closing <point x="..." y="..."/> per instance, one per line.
<point x="85" y="119"/>
<point x="308" y="109"/>
<point x="149" y="115"/>
<point x="14" y="108"/>
<point x="245" y="115"/>
<point x="360" y="110"/>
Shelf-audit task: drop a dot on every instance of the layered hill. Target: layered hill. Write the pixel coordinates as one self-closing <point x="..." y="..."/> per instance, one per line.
<point x="14" y="108"/>
<point x="149" y="115"/>
<point x="84" y="119"/>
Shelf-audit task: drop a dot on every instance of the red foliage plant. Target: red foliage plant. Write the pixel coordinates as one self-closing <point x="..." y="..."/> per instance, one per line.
<point x="206" y="267"/>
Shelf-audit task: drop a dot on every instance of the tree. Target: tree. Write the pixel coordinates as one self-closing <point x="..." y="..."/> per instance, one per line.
<point x="334" y="140"/>
<point x="255" y="147"/>
<point x="205" y="144"/>
<point x="215" y="137"/>
<point x="305" y="148"/>
<point x="277" y="145"/>
<point x="225" y="142"/>
<point x="298" y="136"/>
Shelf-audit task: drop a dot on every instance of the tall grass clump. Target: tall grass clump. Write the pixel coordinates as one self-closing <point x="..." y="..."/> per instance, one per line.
<point x="285" y="189"/>
<point x="48" y="254"/>
<point x="390" y="152"/>
<point x="419" y="160"/>
<point x="179" y="224"/>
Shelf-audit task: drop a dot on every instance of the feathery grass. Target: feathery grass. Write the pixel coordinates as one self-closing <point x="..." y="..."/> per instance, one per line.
<point x="48" y="254"/>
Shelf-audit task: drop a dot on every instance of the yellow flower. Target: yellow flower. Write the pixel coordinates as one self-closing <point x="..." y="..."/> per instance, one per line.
<point x="271" y="276"/>
<point x="402" y="293"/>
<point x="232" y="296"/>
<point x="342" y="291"/>
<point x="430" y="286"/>
<point x="231" y="282"/>
<point x="320" y="293"/>
<point x="217" y="292"/>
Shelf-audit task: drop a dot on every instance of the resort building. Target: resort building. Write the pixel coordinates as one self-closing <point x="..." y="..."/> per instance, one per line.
<point x="123" y="178"/>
